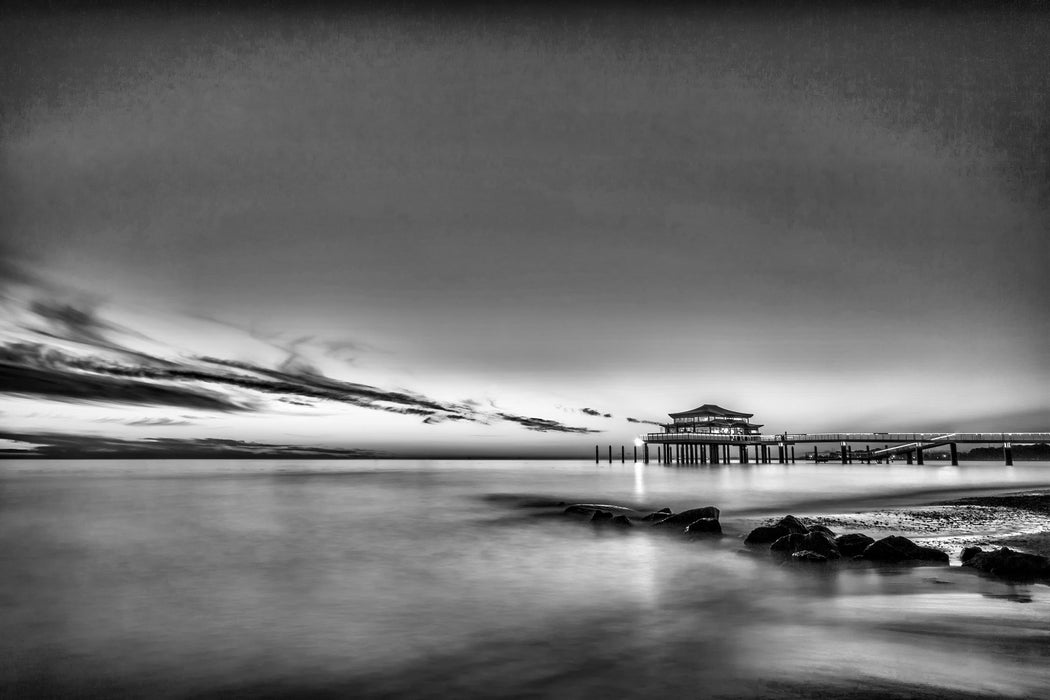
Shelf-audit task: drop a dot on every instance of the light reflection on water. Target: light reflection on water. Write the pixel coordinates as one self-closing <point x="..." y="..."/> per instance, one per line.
<point x="183" y="578"/>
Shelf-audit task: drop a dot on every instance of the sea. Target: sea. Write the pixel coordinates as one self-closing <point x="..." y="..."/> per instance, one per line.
<point x="458" y="579"/>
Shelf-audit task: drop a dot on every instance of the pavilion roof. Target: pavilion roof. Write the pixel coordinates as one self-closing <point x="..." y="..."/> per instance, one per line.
<point x="710" y="409"/>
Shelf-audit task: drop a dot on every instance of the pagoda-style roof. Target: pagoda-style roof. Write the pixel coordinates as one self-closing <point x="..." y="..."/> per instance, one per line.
<point x="710" y="409"/>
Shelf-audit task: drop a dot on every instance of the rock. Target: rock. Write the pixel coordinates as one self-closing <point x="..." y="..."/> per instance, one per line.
<point x="658" y="515"/>
<point x="704" y="527"/>
<point x="687" y="517"/>
<point x="809" y="556"/>
<point x="894" y="549"/>
<point x="969" y="553"/>
<point x="590" y="507"/>
<point x="766" y="534"/>
<point x="1009" y="563"/>
<point x="621" y="521"/>
<point x="820" y="543"/>
<point x="852" y="544"/>
<point x="600" y="517"/>
<point x="816" y="542"/>
<point x="579" y="510"/>
<point x="822" y="528"/>
<point x="792" y="524"/>
<point x="788" y="544"/>
<point x="930" y="554"/>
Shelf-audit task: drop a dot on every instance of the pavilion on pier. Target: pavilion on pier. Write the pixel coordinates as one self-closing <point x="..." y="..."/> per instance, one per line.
<point x="711" y="419"/>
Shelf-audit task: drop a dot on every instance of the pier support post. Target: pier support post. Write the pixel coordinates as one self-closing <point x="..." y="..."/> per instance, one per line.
<point x="742" y="453"/>
<point x="918" y="455"/>
<point x="814" y="454"/>
<point x="714" y="453"/>
<point x="1008" y="454"/>
<point x="595" y="454"/>
<point x="645" y="453"/>
<point x="792" y="454"/>
<point x="955" y="453"/>
<point x="842" y="452"/>
<point x="610" y="454"/>
<point x="867" y="454"/>
<point x="622" y="459"/>
<point x="909" y="457"/>
<point x="849" y="453"/>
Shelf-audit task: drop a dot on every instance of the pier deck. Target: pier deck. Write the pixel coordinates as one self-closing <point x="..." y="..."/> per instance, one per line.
<point x="701" y="448"/>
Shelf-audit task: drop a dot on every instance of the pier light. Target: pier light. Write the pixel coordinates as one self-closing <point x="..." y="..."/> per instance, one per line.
<point x="638" y="442"/>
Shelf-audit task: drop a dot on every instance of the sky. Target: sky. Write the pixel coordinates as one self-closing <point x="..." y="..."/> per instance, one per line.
<point x="520" y="231"/>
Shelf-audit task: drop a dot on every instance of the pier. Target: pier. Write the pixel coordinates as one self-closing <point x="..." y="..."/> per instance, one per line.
<point x="700" y="448"/>
<point x="710" y="434"/>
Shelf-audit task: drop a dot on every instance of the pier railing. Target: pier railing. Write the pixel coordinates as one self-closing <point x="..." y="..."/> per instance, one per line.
<point x="788" y="438"/>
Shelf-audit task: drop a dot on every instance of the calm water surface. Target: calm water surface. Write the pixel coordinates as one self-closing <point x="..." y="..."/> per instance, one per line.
<point x="426" y="579"/>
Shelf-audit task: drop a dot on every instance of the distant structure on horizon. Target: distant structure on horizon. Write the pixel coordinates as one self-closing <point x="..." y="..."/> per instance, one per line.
<point x="712" y="419"/>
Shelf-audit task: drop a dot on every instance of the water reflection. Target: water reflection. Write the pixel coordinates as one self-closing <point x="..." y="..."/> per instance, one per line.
<point x="375" y="582"/>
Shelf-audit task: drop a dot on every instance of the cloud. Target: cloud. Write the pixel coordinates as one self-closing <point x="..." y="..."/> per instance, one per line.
<point x="20" y="379"/>
<point x="544" y="425"/>
<point x="159" y="421"/>
<point x="31" y="369"/>
<point x="75" y="322"/>
<point x="121" y="374"/>
<point x="593" y="412"/>
<point x="639" y="420"/>
<point x="147" y="421"/>
<point x="65" y="446"/>
<point x="317" y="386"/>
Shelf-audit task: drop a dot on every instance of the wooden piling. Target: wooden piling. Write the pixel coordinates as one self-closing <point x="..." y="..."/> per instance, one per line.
<point x="1008" y="454"/>
<point x="842" y="452"/>
<point x="918" y="454"/>
<point x="610" y="454"/>
<point x="622" y="460"/>
<point x="955" y="453"/>
<point x="595" y="454"/>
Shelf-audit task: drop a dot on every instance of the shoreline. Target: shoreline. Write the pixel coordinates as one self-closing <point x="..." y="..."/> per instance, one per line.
<point x="1016" y="519"/>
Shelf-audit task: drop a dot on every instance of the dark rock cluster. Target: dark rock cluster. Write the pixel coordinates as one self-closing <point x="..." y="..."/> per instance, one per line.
<point x="1007" y="563"/>
<point x="696" y="522"/>
<point x="791" y="539"/>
